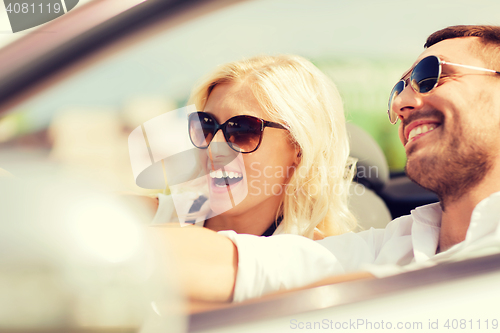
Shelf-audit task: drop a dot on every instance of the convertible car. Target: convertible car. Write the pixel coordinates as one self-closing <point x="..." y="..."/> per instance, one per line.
<point x="72" y="91"/>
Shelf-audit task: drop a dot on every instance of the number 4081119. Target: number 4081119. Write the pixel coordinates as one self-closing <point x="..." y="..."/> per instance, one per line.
<point x="26" y="8"/>
<point x="470" y="324"/>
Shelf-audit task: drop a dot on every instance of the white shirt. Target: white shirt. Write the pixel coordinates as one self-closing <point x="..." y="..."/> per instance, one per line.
<point x="409" y="242"/>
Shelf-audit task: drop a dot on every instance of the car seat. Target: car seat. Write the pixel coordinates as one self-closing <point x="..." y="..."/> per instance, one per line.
<point x="385" y="192"/>
<point x="372" y="172"/>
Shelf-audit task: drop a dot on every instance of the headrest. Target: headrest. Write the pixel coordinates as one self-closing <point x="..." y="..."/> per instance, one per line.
<point x="372" y="169"/>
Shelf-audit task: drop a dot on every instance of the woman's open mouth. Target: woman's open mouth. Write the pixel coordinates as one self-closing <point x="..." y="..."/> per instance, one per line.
<point x="224" y="178"/>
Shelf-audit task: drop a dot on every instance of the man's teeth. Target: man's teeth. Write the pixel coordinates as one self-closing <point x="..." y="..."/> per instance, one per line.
<point x="225" y="174"/>
<point x="420" y="130"/>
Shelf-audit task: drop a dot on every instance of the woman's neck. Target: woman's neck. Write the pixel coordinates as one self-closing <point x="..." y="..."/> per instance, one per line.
<point x="253" y="221"/>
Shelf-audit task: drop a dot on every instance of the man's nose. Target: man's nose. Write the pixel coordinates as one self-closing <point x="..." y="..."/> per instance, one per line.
<point x="406" y="102"/>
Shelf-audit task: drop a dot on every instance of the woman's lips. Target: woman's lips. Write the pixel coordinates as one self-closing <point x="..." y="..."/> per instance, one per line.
<point x="222" y="180"/>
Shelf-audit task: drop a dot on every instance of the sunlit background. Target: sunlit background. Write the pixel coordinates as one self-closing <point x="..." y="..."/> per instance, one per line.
<point x="82" y="124"/>
<point x="363" y="45"/>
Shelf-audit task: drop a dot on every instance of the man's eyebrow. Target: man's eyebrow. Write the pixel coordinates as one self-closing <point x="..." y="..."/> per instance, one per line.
<point x="444" y="58"/>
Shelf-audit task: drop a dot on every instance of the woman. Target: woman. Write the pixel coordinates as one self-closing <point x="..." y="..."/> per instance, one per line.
<point x="274" y="141"/>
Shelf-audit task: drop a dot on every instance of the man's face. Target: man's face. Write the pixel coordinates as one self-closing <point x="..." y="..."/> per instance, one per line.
<point x="452" y="133"/>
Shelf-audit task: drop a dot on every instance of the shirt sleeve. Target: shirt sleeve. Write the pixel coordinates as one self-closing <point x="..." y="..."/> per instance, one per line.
<point x="353" y="250"/>
<point x="267" y="264"/>
<point x="391" y="245"/>
<point x="285" y="261"/>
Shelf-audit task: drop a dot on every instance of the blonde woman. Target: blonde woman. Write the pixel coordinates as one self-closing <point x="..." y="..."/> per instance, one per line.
<point x="284" y="119"/>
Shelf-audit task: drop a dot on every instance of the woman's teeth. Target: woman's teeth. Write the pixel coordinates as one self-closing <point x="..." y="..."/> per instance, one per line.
<point x="225" y="174"/>
<point x="420" y="130"/>
<point x="224" y="178"/>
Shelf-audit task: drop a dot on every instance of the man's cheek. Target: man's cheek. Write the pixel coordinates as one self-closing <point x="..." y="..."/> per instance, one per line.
<point x="401" y="134"/>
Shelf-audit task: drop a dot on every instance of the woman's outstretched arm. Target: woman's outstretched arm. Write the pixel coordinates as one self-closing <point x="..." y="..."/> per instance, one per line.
<point x="206" y="263"/>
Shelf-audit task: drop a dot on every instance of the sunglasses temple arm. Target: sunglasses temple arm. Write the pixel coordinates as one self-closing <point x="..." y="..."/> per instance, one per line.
<point x="274" y="125"/>
<point x="471" y="67"/>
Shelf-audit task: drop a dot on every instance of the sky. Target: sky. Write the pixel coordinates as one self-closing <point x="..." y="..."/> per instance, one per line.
<point x="350" y="30"/>
<point x="360" y="27"/>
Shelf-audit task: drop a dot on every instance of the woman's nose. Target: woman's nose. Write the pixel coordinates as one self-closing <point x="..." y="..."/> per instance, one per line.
<point x="218" y="146"/>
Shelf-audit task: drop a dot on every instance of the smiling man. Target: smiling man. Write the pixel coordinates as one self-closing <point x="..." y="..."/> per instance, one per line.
<point x="450" y="123"/>
<point x="448" y="105"/>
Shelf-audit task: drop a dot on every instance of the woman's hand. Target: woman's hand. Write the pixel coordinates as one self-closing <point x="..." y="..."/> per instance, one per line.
<point x="206" y="263"/>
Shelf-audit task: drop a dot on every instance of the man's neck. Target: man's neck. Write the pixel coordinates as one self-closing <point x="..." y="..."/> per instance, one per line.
<point x="455" y="221"/>
<point x="457" y="213"/>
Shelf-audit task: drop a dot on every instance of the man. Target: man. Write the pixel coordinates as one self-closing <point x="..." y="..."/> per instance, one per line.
<point x="448" y="106"/>
<point x="459" y="160"/>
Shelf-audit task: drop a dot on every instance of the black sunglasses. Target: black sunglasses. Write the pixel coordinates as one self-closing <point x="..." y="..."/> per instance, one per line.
<point x="242" y="133"/>
<point x="423" y="78"/>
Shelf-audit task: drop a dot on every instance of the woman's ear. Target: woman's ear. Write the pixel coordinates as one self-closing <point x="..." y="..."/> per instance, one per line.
<point x="298" y="155"/>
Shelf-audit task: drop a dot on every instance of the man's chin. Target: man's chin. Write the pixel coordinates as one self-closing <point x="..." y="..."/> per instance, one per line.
<point x="425" y="164"/>
<point x="450" y="176"/>
<point x="425" y="173"/>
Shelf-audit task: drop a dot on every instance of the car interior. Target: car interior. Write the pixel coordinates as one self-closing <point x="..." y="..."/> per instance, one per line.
<point x="72" y="101"/>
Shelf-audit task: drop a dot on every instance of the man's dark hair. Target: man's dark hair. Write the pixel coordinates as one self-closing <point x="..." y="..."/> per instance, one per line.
<point x="489" y="36"/>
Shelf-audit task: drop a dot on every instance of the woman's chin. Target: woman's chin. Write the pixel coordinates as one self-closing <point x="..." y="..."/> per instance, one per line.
<point x="226" y="197"/>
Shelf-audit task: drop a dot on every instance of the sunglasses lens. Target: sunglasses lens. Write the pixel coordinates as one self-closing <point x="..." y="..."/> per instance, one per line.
<point x="425" y="75"/>
<point x="244" y="133"/>
<point x="398" y="88"/>
<point x="201" y="129"/>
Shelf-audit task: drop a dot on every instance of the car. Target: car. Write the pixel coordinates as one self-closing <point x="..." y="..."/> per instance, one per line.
<point x="453" y="296"/>
<point x="73" y="90"/>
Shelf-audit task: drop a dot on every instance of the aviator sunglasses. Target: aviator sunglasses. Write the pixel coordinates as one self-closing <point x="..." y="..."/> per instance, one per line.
<point x="242" y="133"/>
<point x="423" y="78"/>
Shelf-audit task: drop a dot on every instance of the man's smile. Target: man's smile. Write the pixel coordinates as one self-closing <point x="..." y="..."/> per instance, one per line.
<point x="420" y="130"/>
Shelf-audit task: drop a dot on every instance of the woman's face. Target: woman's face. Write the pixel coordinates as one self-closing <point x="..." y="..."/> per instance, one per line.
<point x="256" y="180"/>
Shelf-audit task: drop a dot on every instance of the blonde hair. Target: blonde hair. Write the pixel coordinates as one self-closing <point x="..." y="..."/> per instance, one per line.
<point x="292" y="91"/>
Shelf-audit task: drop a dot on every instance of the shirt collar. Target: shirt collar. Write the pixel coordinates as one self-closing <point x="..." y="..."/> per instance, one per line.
<point x="425" y="231"/>
<point x="485" y="219"/>
<point x="485" y="222"/>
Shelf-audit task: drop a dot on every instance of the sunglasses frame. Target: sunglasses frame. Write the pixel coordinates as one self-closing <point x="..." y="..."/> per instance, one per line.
<point x="263" y="124"/>
<point x="405" y="83"/>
